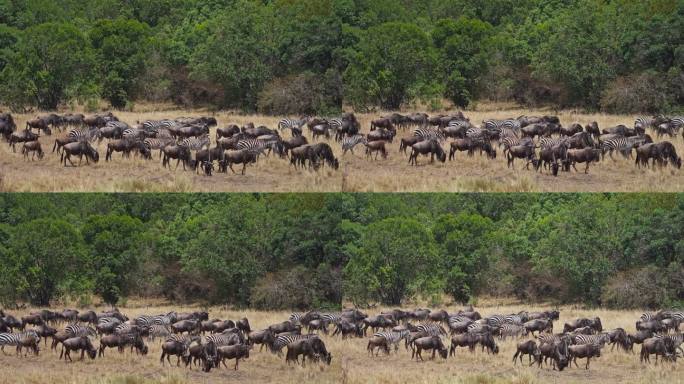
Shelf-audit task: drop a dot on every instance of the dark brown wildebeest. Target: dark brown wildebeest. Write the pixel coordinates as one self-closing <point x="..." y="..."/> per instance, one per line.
<point x="125" y="146"/>
<point x="81" y="343"/>
<point x="323" y="151"/>
<point x="377" y="147"/>
<point x="320" y="130"/>
<point x="407" y="142"/>
<point x="33" y="319"/>
<point x="529" y="348"/>
<point x="265" y="337"/>
<point x="285" y="326"/>
<point x="539" y="325"/>
<point x="189" y="326"/>
<point x="661" y="152"/>
<point x="521" y="152"/>
<point x="79" y="149"/>
<point x="242" y="156"/>
<point x="313" y="348"/>
<point x="382" y="123"/>
<point x="348" y="329"/>
<point x="177" y="348"/>
<point x="222" y="325"/>
<point x="209" y="155"/>
<point x="462" y="340"/>
<point x="294" y="142"/>
<point x="429" y="343"/>
<point x="33" y="147"/>
<point x="378" y="321"/>
<point x="379" y="342"/>
<point x="61" y="142"/>
<point x="651" y="325"/>
<point x="121" y="341"/>
<point x="460" y="145"/>
<point x="21" y="137"/>
<point x="237" y="352"/>
<point x="299" y="155"/>
<point x="571" y="130"/>
<point x="586" y="155"/>
<point x="179" y="152"/>
<point x="659" y="346"/>
<point x="259" y="131"/>
<point x="593" y="129"/>
<point x="228" y="131"/>
<point x="39" y="124"/>
<point x="584" y="351"/>
<point x="574" y="324"/>
<point x="557" y="352"/>
<point x="424" y="148"/>
<point x="381" y="134"/>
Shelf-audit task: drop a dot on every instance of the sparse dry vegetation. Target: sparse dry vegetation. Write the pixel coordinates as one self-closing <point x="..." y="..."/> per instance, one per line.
<point x="356" y="173"/>
<point x="350" y="363"/>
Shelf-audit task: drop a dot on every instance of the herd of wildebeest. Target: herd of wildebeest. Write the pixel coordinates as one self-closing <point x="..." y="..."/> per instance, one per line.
<point x="539" y="141"/>
<point x="195" y="339"/>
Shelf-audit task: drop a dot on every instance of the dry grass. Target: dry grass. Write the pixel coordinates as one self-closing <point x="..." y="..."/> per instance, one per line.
<point x="351" y="363"/>
<point x="356" y="174"/>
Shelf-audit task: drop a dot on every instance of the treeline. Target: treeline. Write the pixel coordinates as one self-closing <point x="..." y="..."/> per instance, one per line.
<point x="313" y="56"/>
<point x="313" y="250"/>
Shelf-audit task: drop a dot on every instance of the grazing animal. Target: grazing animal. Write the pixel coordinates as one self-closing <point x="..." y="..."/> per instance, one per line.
<point x="586" y="155"/>
<point x="430" y="343"/>
<point x="80" y="149"/>
<point x="34" y="148"/>
<point x="584" y="351"/>
<point x="237" y="352"/>
<point x="424" y="148"/>
<point x="80" y="343"/>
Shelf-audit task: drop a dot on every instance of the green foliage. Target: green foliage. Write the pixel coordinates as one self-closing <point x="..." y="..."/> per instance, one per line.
<point x="50" y="63"/>
<point x="368" y="54"/>
<point x="389" y="59"/>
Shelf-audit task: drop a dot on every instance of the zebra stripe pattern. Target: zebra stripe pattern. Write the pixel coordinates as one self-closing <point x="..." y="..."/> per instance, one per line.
<point x="622" y="144"/>
<point x="133" y="134"/>
<point x="511" y="330"/>
<point x="283" y="340"/>
<point x="196" y="143"/>
<point x="331" y="318"/>
<point x="159" y="331"/>
<point x="547" y="142"/>
<point x="431" y="329"/>
<point x="393" y="337"/>
<point x="84" y="134"/>
<point x="429" y="134"/>
<point x="348" y="143"/>
<point x="77" y="330"/>
<point x="600" y="339"/>
<point x="255" y="145"/>
<point x="499" y="125"/>
<point x="222" y="339"/>
<point x="12" y="339"/>
<point x="292" y="123"/>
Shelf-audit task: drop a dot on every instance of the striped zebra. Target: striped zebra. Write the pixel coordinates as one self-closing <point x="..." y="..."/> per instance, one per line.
<point x="508" y="142"/>
<point x="335" y="123"/>
<point x="511" y="330"/>
<point x="393" y="337"/>
<point x="13" y="339"/>
<point x="282" y="341"/>
<point x="431" y="329"/>
<point x="158" y="331"/>
<point x="644" y="122"/>
<point x="478" y="134"/>
<point x="196" y="143"/>
<point x="134" y="134"/>
<point x="77" y="330"/>
<point x="601" y="339"/>
<point x="348" y="143"/>
<point x="257" y="146"/>
<point x="624" y="145"/>
<point x="495" y="321"/>
<point x="287" y="123"/>
<point x="331" y="317"/>
<point x="548" y="142"/>
<point x="515" y="319"/>
<point x="84" y="134"/>
<point x="499" y="125"/>
<point x="677" y="340"/>
<point x="155" y="125"/>
<point x="147" y="321"/>
<point x="429" y="134"/>
<point x="228" y="338"/>
<point x="158" y="143"/>
<point x="123" y="329"/>
<point x="553" y="338"/>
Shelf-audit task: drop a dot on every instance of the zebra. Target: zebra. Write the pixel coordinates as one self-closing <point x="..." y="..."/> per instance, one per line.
<point x="196" y="143"/>
<point x="348" y="143"/>
<point x="84" y="134"/>
<point x="331" y="318"/>
<point x="183" y="339"/>
<point x="431" y="329"/>
<point x="601" y="339"/>
<point x="76" y="330"/>
<point x="677" y="340"/>
<point x="515" y="319"/>
<point x="499" y="125"/>
<point x="155" y="125"/>
<point x="146" y="321"/>
<point x="282" y="341"/>
<point x="158" y="331"/>
<point x="547" y="142"/>
<point x="511" y="330"/>
<point x="134" y="134"/>
<point x="623" y="144"/>
<point x="13" y="339"/>
<point x="158" y="143"/>
<point x="123" y="329"/>
<point x="427" y="134"/>
<point x="478" y="134"/>
<point x="508" y="142"/>
<point x="221" y="339"/>
<point x="292" y="123"/>
<point x="257" y="146"/>
<point x="393" y="337"/>
<point x="552" y="338"/>
<point x="495" y="321"/>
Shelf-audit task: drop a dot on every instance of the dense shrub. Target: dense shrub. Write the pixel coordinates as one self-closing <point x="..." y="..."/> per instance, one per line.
<point x="648" y="92"/>
<point x="306" y="93"/>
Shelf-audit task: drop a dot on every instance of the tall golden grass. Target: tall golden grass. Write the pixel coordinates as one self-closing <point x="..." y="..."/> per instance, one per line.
<point x="351" y="362"/>
<point x="356" y="173"/>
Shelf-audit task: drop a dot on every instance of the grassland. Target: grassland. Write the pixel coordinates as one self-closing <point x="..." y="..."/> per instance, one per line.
<point x="356" y="173"/>
<point x="350" y="364"/>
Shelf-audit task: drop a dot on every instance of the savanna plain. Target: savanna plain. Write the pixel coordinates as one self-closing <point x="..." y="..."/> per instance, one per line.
<point x="351" y="362"/>
<point x="356" y="173"/>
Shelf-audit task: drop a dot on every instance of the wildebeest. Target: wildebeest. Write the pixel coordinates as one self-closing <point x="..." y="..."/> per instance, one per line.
<point x="586" y="155"/>
<point x="557" y="352"/>
<point x="242" y="156"/>
<point x="584" y="351"/>
<point x="21" y="137"/>
<point x="237" y="352"/>
<point x="572" y="325"/>
<point x="539" y="325"/>
<point x="34" y="148"/>
<point x="659" y="346"/>
<point x="179" y="152"/>
<point x="377" y="146"/>
<point x="313" y="348"/>
<point x="79" y="149"/>
<point x="227" y="131"/>
<point x="529" y="348"/>
<point x="430" y="343"/>
<point x="39" y="124"/>
<point x="124" y="145"/>
<point x="177" y="348"/>
<point x="81" y="343"/>
<point x="520" y="151"/>
<point x="431" y="147"/>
